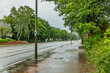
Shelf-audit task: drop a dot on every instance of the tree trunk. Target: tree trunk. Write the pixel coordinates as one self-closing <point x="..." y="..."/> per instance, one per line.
<point x="82" y="40"/>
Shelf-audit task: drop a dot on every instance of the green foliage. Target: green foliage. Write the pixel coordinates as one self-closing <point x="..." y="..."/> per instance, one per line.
<point x="2" y="30"/>
<point x="83" y="12"/>
<point x="47" y="27"/>
<point x="5" y="40"/>
<point x="64" y="35"/>
<point x="89" y="28"/>
<point x="91" y="40"/>
<point x="22" y="21"/>
<point x="41" y="31"/>
<point x="107" y="36"/>
<point x="98" y="50"/>
<point x="100" y="56"/>
<point x="5" y="32"/>
<point x="90" y="17"/>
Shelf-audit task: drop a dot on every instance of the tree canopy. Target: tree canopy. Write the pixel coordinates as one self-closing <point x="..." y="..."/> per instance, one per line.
<point x="90" y="13"/>
<point x="22" y="21"/>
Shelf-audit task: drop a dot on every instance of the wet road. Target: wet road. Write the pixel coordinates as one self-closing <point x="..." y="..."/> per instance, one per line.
<point x="14" y="54"/>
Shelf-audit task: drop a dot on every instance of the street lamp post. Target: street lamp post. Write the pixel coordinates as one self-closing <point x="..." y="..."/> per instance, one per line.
<point x="36" y="23"/>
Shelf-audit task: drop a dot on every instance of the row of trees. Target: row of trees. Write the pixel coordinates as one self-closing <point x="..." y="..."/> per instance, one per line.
<point x="22" y="22"/>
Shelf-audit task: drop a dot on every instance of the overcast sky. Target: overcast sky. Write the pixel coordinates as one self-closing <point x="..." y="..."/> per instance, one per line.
<point x="45" y="10"/>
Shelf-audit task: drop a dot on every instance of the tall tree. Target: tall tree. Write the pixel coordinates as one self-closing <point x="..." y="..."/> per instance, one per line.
<point x="21" y="21"/>
<point x="85" y="11"/>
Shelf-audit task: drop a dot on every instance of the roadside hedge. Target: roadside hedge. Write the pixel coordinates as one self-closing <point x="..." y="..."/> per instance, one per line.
<point x="5" y="40"/>
<point x="100" y="56"/>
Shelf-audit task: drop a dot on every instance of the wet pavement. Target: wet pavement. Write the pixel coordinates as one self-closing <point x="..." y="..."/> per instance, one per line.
<point x="63" y="59"/>
<point x="66" y="60"/>
<point x="11" y="55"/>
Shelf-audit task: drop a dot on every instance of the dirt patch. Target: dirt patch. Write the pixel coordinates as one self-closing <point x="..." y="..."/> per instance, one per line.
<point x="86" y="65"/>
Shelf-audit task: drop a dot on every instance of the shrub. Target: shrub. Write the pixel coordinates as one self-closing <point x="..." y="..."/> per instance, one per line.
<point x="6" y="40"/>
<point x="100" y="56"/>
<point x="91" y="40"/>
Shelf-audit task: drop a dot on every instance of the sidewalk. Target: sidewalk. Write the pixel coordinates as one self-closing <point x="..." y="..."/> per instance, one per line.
<point x="66" y="60"/>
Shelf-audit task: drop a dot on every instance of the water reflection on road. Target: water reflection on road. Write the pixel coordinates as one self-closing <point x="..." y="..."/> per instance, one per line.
<point x="15" y="54"/>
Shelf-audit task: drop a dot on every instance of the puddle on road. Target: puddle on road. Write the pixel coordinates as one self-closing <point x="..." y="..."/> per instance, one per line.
<point x="75" y="50"/>
<point x="72" y="50"/>
<point x="23" y="66"/>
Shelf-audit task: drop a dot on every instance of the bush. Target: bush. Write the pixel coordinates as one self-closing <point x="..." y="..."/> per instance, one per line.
<point x="5" y="40"/>
<point x="100" y="56"/>
<point x="91" y="40"/>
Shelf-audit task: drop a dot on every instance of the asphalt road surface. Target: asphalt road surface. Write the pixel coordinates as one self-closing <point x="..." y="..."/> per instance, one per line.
<point x="12" y="54"/>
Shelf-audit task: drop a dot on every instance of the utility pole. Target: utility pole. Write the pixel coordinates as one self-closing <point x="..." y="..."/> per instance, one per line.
<point x="71" y="37"/>
<point x="36" y="23"/>
<point x="71" y="29"/>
